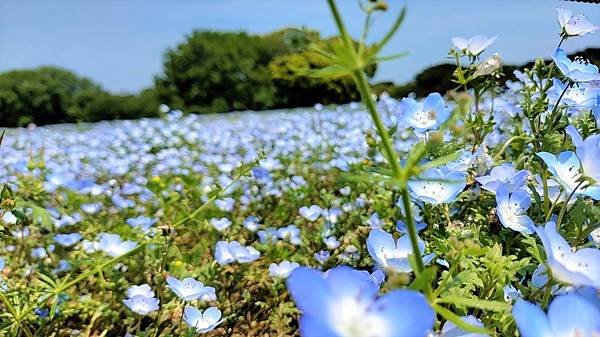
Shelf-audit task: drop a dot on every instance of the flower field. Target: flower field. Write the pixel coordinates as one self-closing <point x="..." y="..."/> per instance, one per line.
<point x="473" y="213"/>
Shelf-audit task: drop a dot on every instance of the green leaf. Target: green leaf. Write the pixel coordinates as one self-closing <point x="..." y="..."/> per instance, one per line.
<point x="389" y="57"/>
<point x="423" y="279"/>
<point x="475" y="303"/>
<point x="332" y="71"/>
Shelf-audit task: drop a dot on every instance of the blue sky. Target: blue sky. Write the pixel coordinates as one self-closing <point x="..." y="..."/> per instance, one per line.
<point x="120" y="43"/>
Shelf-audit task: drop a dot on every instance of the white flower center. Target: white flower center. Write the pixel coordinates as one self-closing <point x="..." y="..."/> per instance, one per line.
<point x="351" y="318"/>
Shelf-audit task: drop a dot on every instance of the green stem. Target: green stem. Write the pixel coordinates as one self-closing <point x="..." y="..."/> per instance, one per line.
<point x="563" y="210"/>
<point x="399" y="175"/>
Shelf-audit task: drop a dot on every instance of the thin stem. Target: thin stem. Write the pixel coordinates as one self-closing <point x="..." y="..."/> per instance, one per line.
<point x="566" y="204"/>
<point x="508" y="142"/>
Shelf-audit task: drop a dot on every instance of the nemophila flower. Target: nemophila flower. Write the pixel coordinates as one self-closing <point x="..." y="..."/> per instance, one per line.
<point x="290" y="233"/>
<point x="189" y="289"/>
<point x="63" y="266"/>
<point x="331" y="242"/>
<point x="331" y="215"/>
<point x="568" y="316"/>
<point x="268" y="235"/>
<point x="283" y="269"/>
<point x="588" y="152"/>
<point x="225" y="205"/>
<point x="574" y="25"/>
<point x="2" y="263"/>
<point x="438" y="185"/>
<point x="228" y="252"/>
<point x="392" y="255"/>
<point x="344" y="302"/>
<point x="220" y="224"/>
<point x="473" y="46"/>
<point x="202" y="321"/>
<point x="251" y="223"/>
<point x="594" y="237"/>
<point x="374" y="222"/>
<point x="577" y="71"/>
<point x="140" y="290"/>
<point x="311" y="213"/>
<point x="322" y="256"/>
<point x="511" y="293"/>
<point x="401" y="226"/>
<point x="425" y="115"/>
<point x="451" y="330"/>
<point x="142" y="305"/>
<point x="142" y="222"/>
<point x="506" y="175"/>
<point x="580" y="96"/>
<point x="91" y="208"/>
<point x="415" y="209"/>
<point x="140" y="299"/>
<point x="575" y="267"/>
<point x="345" y="191"/>
<point x="565" y="168"/>
<point x="512" y="209"/>
<point x="113" y="245"/>
<point x="67" y="240"/>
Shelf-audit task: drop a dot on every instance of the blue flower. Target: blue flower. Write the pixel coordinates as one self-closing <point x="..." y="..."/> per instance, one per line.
<point x="189" y="289"/>
<point x="438" y="185"/>
<point x="566" y="170"/>
<point x="504" y="174"/>
<point x="574" y="25"/>
<point x="451" y="330"/>
<point x="512" y="209"/>
<point x="344" y="302"/>
<point x="588" y="152"/>
<point x="202" y="322"/>
<point x="426" y="115"/>
<point x="140" y="299"/>
<point x="228" y="252"/>
<point x="578" y="268"/>
<point x="67" y="240"/>
<point x="568" y="315"/>
<point x="142" y="222"/>
<point x="391" y="255"/>
<point x="113" y="245"/>
<point x="578" y="70"/>
<point x="283" y="269"/>
<point x="473" y="46"/>
<point x="220" y="224"/>
<point x="311" y="213"/>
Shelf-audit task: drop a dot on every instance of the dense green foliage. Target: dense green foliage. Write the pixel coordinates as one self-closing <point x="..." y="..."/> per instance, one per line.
<point x="48" y="95"/>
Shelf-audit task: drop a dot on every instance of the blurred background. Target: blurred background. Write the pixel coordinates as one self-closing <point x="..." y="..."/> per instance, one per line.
<point x="74" y="60"/>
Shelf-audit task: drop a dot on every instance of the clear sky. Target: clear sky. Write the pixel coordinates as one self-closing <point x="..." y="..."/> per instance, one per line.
<point x="120" y="43"/>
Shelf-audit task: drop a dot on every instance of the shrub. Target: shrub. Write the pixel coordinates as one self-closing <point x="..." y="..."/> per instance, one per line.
<point x="42" y="95"/>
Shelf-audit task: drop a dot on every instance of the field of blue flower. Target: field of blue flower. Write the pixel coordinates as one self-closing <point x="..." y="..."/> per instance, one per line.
<point x="470" y="214"/>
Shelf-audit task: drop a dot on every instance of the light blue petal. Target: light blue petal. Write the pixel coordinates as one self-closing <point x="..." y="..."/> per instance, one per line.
<point x="315" y="327"/>
<point x="407" y="312"/>
<point x="531" y="320"/>
<point x="570" y="313"/>
<point x="309" y="291"/>
<point x="344" y="282"/>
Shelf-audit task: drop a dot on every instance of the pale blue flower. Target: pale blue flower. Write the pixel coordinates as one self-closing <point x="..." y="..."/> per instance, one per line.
<point x="225" y="205"/>
<point x="140" y="299"/>
<point x="290" y="233"/>
<point x="189" y="289"/>
<point x="568" y="315"/>
<point x="251" y="223"/>
<point x="504" y="174"/>
<point x="311" y="213"/>
<point x="511" y="293"/>
<point x="574" y="25"/>
<point x="283" y="269"/>
<point x="140" y="290"/>
<point x="438" y="185"/>
<point x="566" y="169"/>
<point x="451" y="330"/>
<point x="426" y="115"/>
<point x="512" y="209"/>
<point x="344" y="302"/>
<point x="331" y="242"/>
<point x="220" y="224"/>
<point x="142" y="222"/>
<point x="228" y="252"/>
<point x="322" y="256"/>
<point x="578" y="71"/>
<point x="374" y="222"/>
<point x="392" y="255"/>
<point x="113" y="245"/>
<point x="578" y="268"/>
<point x="67" y="240"/>
<point x="473" y="46"/>
<point x="202" y="321"/>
